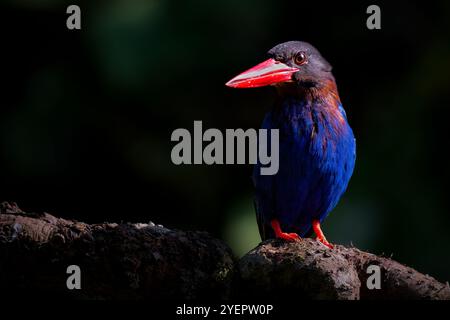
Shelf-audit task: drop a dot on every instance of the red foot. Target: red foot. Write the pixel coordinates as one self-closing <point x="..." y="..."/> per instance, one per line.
<point x="325" y="242"/>
<point x="283" y="235"/>
<point x="319" y="234"/>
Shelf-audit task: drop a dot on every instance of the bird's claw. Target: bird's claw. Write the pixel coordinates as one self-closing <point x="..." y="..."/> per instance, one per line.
<point x="283" y="235"/>
<point x="288" y="236"/>
<point x="325" y="242"/>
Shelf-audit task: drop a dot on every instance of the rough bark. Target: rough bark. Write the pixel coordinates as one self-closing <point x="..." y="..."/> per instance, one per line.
<point x="117" y="261"/>
<point x="309" y="269"/>
<point x="147" y="261"/>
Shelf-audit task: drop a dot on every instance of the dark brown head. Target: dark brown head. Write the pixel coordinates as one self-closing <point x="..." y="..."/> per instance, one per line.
<point x="294" y="63"/>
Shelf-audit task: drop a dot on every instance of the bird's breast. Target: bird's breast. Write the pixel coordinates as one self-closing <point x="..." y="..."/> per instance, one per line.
<point x="320" y="128"/>
<point x="317" y="145"/>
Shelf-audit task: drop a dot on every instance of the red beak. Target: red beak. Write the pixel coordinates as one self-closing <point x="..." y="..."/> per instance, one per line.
<point x="264" y="74"/>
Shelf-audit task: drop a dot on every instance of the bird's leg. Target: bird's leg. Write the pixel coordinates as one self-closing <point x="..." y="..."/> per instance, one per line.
<point x="283" y="235"/>
<point x="319" y="234"/>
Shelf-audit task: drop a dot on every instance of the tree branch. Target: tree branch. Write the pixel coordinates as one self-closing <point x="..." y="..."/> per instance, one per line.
<point x="145" y="261"/>
<point x="117" y="261"/>
<point x="308" y="269"/>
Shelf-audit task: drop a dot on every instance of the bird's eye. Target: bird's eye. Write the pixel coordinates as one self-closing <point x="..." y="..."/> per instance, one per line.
<point x="300" y="58"/>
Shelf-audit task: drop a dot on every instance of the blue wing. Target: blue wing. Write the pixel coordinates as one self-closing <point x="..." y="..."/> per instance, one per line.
<point x="316" y="161"/>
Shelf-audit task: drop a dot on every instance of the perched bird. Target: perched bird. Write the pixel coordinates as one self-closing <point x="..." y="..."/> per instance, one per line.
<point x="317" y="148"/>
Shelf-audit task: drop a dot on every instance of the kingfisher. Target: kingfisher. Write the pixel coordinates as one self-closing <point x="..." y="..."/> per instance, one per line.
<point x="317" y="148"/>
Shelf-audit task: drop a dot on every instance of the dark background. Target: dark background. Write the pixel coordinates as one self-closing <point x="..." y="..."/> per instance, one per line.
<point x="86" y="116"/>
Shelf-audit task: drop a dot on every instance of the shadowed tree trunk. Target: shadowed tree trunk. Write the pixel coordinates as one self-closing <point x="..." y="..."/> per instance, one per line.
<point x="146" y="261"/>
<point x="309" y="269"/>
